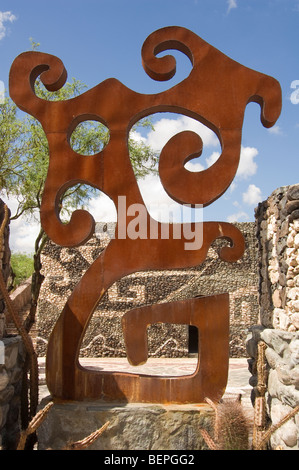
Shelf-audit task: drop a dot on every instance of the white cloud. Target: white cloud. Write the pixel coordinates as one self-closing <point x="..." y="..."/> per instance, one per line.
<point x="194" y="166"/>
<point x="159" y="205"/>
<point x="102" y="208"/>
<point x="247" y="165"/>
<point x="5" y="16"/>
<point x="231" y="4"/>
<point x="135" y="135"/>
<point x="212" y="158"/>
<point x="275" y="130"/>
<point x="232" y="186"/>
<point x="166" y="128"/>
<point x="253" y="195"/>
<point x="238" y="217"/>
<point x="22" y="234"/>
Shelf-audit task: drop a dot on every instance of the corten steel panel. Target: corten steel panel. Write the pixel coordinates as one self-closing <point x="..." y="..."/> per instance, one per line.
<point x="215" y="93"/>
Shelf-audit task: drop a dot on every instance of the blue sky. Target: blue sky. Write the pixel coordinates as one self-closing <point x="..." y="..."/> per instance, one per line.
<point x="98" y="39"/>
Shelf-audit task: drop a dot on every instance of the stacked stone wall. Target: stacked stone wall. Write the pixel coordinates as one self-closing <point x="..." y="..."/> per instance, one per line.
<point x="277" y="221"/>
<point x="11" y="373"/>
<point x="64" y="267"/>
<point x="12" y="356"/>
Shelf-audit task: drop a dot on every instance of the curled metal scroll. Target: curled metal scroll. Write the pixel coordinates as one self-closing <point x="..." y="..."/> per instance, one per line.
<point x="217" y="100"/>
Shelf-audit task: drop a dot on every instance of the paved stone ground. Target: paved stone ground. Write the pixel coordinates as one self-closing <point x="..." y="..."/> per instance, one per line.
<point x="238" y="378"/>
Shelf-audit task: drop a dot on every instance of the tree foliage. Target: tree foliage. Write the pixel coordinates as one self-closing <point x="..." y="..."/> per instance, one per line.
<point x="22" y="266"/>
<point x="11" y="152"/>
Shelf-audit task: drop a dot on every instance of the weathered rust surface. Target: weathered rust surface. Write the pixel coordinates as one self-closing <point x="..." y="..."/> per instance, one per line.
<point x="215" y="93"/>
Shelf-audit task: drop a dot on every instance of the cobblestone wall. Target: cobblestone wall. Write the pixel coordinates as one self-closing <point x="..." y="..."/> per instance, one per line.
<point x="278" y="234"/>
<point x="11" y="360"/>
<point x="63" y="268"/>
<point x="11" y="372"/>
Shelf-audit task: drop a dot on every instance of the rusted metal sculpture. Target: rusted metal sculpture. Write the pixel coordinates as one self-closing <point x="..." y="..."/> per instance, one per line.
<point x="215" y="93"/>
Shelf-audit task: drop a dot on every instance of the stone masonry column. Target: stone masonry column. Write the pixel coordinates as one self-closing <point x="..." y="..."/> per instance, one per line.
<point x="11" y="360"/>
<point x="277" y="223"/>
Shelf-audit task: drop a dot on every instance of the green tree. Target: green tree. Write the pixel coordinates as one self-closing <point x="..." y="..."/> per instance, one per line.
<point x="22" y="266"/>
<point x="11" y="131"/>
<point x="24" y="159"/>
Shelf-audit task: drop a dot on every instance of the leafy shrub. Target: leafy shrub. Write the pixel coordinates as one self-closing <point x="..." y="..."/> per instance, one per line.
<point x="22" y="266"/>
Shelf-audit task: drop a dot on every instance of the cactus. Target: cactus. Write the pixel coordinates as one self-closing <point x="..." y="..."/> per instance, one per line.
<point x="231" y="427"/>
<point x="40" y="417"/>
<point x="33" y="425"/>
<point x="87" y="441"/>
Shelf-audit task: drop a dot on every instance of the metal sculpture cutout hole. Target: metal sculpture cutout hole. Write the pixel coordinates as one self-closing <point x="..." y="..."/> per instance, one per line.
<point x="89" y="137"/>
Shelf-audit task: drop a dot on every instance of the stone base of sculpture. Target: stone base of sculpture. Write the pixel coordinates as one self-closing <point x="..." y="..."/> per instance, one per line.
<point x="132" y="426"/>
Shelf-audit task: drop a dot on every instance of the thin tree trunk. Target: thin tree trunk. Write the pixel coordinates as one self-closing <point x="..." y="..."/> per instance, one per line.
<point x="37" y="278"/>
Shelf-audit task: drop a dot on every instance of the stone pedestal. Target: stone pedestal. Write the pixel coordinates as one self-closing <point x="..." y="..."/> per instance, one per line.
<point x="132" y="426"/>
